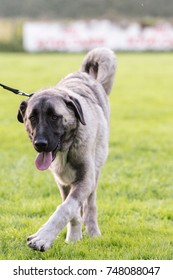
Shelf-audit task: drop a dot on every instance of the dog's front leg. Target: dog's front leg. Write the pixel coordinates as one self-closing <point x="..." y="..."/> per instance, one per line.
<point x="74" y="227"/>
<point x="46" y="235"/>
<point x="65" y="213"/>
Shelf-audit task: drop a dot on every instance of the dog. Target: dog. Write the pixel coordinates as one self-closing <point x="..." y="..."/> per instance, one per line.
<point x="68" y="125"/>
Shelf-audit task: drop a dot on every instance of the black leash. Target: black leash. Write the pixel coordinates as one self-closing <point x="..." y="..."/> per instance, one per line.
<point x="16" y="91"/>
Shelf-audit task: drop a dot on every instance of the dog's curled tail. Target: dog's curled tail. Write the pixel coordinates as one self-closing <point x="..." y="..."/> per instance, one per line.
<point x="100" y="63"/>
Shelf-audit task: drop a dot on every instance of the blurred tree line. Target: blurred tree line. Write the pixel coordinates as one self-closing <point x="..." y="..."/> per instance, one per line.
<point x="85" y="8"/>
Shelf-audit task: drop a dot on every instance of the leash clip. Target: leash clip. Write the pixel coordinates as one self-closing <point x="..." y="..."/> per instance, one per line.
<point x="16" y="91"/>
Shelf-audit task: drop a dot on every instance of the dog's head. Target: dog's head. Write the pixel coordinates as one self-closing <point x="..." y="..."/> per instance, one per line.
<point x="51" y="121"/>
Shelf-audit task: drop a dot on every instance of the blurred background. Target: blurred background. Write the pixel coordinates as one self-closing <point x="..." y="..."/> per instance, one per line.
<point x="77" y="25"/>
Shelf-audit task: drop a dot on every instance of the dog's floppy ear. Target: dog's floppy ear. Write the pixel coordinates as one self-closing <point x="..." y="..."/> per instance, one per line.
<point x="74" y="104"/>
<point x="21" y="111"/>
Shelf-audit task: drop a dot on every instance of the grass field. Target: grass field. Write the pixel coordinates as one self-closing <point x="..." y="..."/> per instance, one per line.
<point x="135" y="192"/>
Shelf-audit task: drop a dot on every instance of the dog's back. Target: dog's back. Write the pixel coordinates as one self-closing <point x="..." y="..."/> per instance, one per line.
<point x="95" y="79"/>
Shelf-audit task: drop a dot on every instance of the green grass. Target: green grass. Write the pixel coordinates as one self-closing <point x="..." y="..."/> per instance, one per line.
<point x="135" y="192"/>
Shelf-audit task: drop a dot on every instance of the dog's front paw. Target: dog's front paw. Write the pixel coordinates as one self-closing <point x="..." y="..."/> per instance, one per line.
<point x="41" y="240"/>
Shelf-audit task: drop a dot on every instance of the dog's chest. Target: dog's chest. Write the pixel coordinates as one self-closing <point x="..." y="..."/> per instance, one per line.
<point x="62" y="170"/>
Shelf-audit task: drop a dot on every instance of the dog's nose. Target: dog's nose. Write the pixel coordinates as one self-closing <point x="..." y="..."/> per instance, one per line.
<point x="41" y="144"/>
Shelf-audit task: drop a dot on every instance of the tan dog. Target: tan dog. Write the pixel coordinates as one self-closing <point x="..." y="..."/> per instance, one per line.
<point x="68" y="125"/>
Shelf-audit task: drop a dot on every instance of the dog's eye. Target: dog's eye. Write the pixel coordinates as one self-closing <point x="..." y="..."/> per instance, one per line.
<point x="54" y="117"/>
<point x="32" y="118"/>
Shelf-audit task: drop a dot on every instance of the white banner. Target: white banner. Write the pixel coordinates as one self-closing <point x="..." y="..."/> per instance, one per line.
<point x="85" y="35"/>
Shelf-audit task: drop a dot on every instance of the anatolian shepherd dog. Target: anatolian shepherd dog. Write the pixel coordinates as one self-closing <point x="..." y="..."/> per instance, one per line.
<point x="68" y="125"/>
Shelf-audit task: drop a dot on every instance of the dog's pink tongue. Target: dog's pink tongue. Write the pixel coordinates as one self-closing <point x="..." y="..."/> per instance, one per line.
<point x="43" y="160"/>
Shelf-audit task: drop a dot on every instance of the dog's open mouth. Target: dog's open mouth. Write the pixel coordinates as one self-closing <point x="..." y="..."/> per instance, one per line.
<point x="44" y="159"/>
